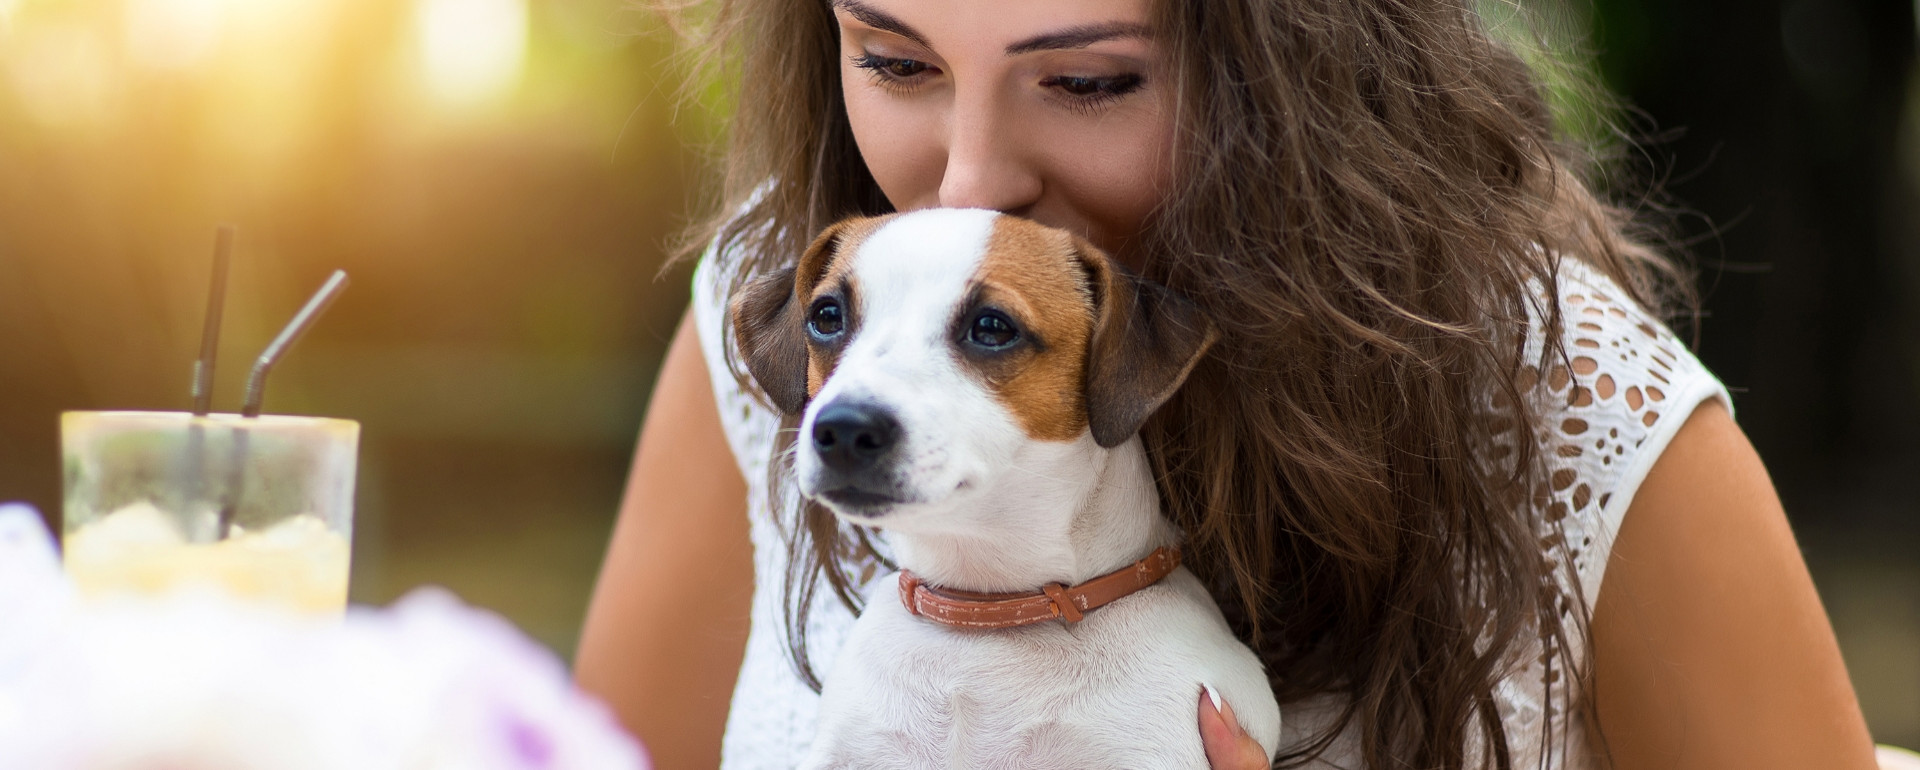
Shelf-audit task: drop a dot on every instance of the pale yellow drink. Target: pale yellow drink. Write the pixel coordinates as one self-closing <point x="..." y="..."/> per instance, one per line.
<point x="257" y="507"/>
<point x="297" y="563"/>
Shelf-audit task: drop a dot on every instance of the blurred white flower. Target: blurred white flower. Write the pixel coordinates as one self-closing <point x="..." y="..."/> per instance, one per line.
<point x="202" y="682"/>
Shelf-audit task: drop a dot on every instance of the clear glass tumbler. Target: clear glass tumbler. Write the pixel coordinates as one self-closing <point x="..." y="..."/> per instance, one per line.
<point x="261" y="507"/>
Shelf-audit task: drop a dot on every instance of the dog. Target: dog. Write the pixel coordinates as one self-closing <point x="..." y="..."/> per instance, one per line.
<point x="973" y="383"/>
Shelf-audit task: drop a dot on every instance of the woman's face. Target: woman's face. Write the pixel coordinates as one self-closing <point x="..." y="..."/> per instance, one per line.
<point x="1056" y="110"/>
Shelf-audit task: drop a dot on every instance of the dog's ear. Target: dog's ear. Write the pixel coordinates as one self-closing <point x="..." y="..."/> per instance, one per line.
<point x="1146" y="340"/>
<point x="769" y="323"/>
<point x="766" y="324"/>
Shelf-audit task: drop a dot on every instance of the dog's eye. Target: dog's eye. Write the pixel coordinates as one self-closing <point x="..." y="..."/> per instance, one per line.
<point x="826" y="320"/>
<point x="992" y="330"/>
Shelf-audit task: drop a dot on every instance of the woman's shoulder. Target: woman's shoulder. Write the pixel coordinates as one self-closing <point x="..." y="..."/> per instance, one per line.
<point x="1613" y="399"/>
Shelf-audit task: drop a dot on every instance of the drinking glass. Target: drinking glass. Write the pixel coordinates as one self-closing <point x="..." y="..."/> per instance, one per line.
<point x="260" y="507"/>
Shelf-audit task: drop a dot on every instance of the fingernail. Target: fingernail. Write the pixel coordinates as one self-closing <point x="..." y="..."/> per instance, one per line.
<point x="1214" y="696"/>
<point x="1226" y="714"/>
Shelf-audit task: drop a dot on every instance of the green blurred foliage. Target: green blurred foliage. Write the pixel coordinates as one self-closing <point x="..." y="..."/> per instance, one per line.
<point x="1554" y="38"/>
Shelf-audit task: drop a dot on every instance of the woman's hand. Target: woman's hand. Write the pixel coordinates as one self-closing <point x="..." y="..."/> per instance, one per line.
<point x="1229" y="747"/>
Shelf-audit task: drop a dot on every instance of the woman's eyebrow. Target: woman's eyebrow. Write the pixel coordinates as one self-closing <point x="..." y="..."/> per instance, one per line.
<point x="1079" y="37"/>
<point x="880" y="20"/>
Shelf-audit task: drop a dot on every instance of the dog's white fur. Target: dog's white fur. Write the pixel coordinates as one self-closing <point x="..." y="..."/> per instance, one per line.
<point x="990" y="508"/>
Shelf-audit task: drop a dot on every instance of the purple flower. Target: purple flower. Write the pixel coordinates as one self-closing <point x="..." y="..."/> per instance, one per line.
<point x="199" y="680"/>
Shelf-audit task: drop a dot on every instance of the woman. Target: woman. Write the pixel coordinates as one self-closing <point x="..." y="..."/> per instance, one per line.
<point x="1441" y="411"/>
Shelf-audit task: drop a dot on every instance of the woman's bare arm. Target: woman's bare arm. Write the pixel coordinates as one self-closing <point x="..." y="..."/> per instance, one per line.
<point x="668" y="623"/>
<point x="1711" y="649"/>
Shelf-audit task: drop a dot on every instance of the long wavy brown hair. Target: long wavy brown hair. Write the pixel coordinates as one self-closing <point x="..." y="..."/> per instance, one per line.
<point x="1370" y="195"/>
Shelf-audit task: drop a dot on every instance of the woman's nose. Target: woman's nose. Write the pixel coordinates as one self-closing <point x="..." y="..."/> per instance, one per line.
<point x="986" y="167"/>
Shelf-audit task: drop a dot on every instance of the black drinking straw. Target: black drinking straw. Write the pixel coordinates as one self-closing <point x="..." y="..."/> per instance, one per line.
<point x="194" y="458"/>
<point x="257" y="382"/>
<point x="210" y="334"/>
<point x="257" y="388"/>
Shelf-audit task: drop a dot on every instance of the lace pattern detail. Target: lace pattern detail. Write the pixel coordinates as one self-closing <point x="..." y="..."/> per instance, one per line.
<point x="1621" y="394"/>
<point x="1610" y="404"/>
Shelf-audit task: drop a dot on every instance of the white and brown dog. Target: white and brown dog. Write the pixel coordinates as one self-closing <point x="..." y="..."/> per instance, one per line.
<point x="972" y="383"/>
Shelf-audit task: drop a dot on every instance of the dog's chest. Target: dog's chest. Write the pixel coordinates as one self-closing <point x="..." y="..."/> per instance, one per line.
<point x="908" y="693"/>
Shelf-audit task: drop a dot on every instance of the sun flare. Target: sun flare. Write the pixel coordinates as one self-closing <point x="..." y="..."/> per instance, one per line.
<point x="472" y="50"/>
<point x="173" y="34"/>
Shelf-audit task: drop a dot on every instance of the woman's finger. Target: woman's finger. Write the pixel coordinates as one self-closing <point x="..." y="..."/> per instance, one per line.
<point x="1228" y="746"/>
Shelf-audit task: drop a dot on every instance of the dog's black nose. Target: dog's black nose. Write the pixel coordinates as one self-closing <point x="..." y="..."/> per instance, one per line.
<point x="850" y="437"/>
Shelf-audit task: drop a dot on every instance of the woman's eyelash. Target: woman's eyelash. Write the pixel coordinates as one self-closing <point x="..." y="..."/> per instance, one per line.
<point x="1118" y="85"/>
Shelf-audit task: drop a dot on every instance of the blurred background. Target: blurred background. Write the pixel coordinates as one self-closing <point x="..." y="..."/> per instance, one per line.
<point x="501" y="178"/>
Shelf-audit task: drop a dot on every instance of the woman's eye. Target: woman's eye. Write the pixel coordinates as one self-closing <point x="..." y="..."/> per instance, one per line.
<point x="890" y="68"/>
<point x="1089" y="89"/>
<point x="904" y="68"/>
<point x="826" y="320"/>
<point x="993" y="331"/>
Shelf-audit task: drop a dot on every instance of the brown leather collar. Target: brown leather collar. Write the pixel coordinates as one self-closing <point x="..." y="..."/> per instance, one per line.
<point x="971" y="609"/>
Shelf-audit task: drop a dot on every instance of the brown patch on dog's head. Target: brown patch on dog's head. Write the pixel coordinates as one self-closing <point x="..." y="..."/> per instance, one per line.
<point x="1101" y="349"/>
<point x="770" y="316"/>
<point x="1032" y="274"/>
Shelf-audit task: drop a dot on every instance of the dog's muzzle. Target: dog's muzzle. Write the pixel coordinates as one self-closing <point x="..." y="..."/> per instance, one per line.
<point x="852" y="438"/>
<point x="855" y="441"/>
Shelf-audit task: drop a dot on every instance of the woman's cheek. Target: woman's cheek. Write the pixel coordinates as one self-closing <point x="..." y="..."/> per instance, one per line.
<point x="1115" y="175"/>
<point x="899" y="139"/>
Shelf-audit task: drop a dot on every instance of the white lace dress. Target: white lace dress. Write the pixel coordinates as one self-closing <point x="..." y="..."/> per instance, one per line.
<point x="1635" y="385"/>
